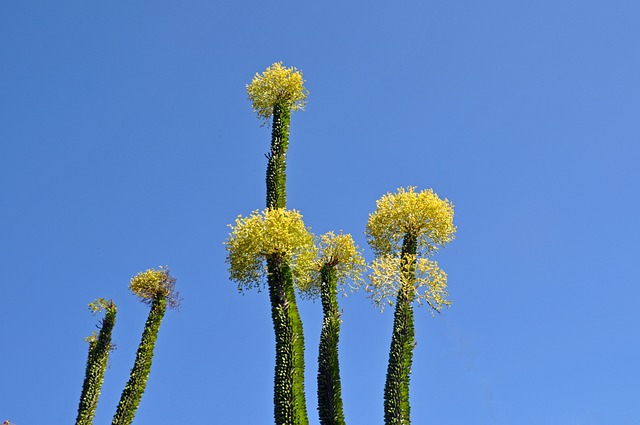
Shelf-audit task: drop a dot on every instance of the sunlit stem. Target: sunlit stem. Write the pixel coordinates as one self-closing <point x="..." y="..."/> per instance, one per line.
<point x="134" y="389"/>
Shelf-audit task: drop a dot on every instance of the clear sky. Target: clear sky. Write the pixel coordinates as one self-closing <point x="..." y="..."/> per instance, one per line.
<point x="127" y="142"/>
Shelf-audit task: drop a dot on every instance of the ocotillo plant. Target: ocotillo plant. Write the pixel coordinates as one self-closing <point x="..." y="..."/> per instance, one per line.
<point x="274" y="94"/>
<point x="157" y="288"/>
<point x="280" y="239"/>
<point x="406" y="228"/>
<point x="338" y="260"/>
<point x="99" y="348"/>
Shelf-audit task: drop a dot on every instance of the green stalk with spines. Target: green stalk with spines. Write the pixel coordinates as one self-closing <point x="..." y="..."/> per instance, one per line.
<point x="289" y="332"/>
<point x="330" y="408"/>
<point x="338" y="260"/>
<point x="397" y="409"/>
<point x="279" y="238"/>
<point x="283" y="394"/>
<point x="157" y="289"/>
<point x="99" y="348"/>
<point x="274" y="94"/>
<point x="277" y="158"/>
<point x="407" y="228"/>
<point x="132" y="393"/>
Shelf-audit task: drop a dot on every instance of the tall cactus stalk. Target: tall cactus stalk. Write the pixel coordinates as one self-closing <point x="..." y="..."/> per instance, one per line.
<point x="289" y="395"/>
<point x="99" y="348"/>
<point x="338" y="259"/>
<point x="284" y="398"/>
<point x="279" y="238"/>
<point x="330" y="409"/>
<point x="396" y="390"/>
<point x="406" y="228"/>
<point x="157" y="289"/>
<point x="274" y="94"/>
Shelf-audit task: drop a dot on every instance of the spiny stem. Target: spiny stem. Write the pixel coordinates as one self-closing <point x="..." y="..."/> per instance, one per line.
<point x="330" y="407"/>
<point x="134" y="389"/>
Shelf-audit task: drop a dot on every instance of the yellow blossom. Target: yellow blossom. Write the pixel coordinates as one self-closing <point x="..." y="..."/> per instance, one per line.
<point x="389" y="273"/>
<point x="153" y="284"/>
<point x="272" y="234"/>
<point x="101" y="304"/>
<point x="343" y="255"/>
<point x="277" y="85"/>
<point x="421" y="215"/>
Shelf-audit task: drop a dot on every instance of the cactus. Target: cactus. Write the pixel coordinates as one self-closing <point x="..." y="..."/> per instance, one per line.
<point x="274" y="94"/>
<point x="99" y="348"/>
<point x="156" y="288"/>
<point x="339" y="260"/>
<point x="407" y="228"/>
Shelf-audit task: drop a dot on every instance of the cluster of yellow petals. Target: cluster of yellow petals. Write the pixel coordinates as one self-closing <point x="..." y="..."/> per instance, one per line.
<point x="100" y="304"/>
<point x="422" y="215"/>
<point x="274" y="233"/>
<point x="423" y="276"/>
<point x="153" y="284"/>
<point x="341" y="254"/>
<point x="96" y="306"/>
<point x="277" y="85"/>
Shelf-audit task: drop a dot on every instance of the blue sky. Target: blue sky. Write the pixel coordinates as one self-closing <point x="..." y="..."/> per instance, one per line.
<point x="127" y="142"/>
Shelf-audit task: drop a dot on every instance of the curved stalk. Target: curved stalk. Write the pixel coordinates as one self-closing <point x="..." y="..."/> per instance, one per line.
<point x="290" y="407"/>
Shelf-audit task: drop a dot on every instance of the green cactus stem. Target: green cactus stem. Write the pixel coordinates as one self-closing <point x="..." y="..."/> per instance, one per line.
<point x="132" y="393"/>
<point x="276" y="166"/>
<point x="155" y="288"/>
<point x="274" y="94"/>
<point x="396" y="391"/>
<point x="330" y="408"/>
<point x="288" y="385"/>
<point x="99" y="348"/>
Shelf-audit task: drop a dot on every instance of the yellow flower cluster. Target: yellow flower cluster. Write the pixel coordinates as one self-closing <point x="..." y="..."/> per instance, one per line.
<point x="277" y="85"/>
<point x="421" y="215"/>
<point x="340" y="253"/>
<point x="96" y="306"/>
<point x="91" y="339"/>
<point x="427" y="281"/>
<point x="101" y="304"/>
<point x="275" y="234"/>
<point x="153" y="284"/>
